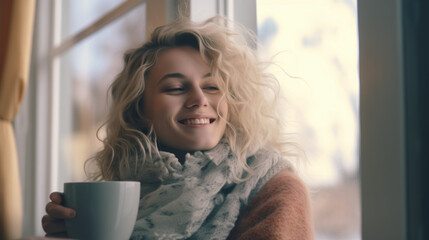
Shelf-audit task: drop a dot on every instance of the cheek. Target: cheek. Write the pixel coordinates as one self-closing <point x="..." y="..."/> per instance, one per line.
<point x="223" y="109"/>
<point x="164" y="109"/>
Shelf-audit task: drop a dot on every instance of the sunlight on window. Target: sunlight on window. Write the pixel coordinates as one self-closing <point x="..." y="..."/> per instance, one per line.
<point x="78" y="14"/>
<point x="314" y="47"/>
<point x="86" y="72"/>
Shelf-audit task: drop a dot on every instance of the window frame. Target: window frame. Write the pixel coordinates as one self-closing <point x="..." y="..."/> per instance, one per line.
<point x="382" y="111"/>
<point x="37" y="140"/>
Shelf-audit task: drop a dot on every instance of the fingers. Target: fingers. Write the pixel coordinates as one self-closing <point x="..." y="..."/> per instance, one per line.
<point x="53" y="226"/>
<point x="56" y="197"/>
<point x="58" y="211"/>
<point x="53" y="223"/>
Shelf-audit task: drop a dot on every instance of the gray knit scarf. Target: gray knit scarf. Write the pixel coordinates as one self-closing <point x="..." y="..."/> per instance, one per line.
<point x="200" y="200"/>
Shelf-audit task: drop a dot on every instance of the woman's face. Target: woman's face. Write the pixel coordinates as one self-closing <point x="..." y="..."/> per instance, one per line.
<point x="180" y="100"/>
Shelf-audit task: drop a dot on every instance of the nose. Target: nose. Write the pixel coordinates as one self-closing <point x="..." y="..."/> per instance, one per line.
<point x="196" y="98"/>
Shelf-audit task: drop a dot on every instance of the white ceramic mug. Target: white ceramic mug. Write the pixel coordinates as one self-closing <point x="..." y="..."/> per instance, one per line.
<point x="104" y="210"/>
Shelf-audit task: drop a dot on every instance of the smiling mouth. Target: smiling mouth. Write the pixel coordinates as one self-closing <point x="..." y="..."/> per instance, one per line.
<point x="197" y="121"/>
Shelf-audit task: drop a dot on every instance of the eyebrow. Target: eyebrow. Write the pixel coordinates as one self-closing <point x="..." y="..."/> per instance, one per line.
<point x="179" y="75"/>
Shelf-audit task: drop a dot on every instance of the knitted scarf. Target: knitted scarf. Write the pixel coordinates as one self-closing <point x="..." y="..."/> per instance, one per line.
<point x="200" y="199"/>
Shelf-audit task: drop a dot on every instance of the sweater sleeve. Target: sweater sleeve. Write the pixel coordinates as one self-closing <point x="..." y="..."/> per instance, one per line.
<point x="280" y="211"/>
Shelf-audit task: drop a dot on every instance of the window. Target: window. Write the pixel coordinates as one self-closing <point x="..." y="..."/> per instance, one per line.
<point x="313" y="45"/>
<point x="77" y="51"/>
<point x="86" y="71"/>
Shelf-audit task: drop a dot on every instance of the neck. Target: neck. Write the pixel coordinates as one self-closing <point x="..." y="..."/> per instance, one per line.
<point x="180" y="154"/>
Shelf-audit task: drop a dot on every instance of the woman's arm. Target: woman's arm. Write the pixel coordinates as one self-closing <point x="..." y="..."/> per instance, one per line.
<point x="281" y="210"/>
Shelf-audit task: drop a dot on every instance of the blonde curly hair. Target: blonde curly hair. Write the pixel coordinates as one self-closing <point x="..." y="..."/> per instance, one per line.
<point x="251" y="94"/>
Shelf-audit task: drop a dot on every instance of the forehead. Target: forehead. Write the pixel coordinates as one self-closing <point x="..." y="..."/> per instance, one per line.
<point x="180" y="59"/>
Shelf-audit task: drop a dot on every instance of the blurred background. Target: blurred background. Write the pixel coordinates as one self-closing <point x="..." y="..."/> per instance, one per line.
<point x="314" y="47"/>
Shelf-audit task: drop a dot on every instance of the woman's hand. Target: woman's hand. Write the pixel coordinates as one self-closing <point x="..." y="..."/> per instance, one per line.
<point x="53" y="223"/>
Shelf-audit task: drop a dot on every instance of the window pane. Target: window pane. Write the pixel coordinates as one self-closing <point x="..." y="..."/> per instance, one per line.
<point x="86" y="72"/>
<point x="79" y="14"/>
<point x="314" y="47"/>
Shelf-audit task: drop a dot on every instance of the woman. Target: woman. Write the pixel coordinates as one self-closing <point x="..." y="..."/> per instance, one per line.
<point x="194" y="119"/>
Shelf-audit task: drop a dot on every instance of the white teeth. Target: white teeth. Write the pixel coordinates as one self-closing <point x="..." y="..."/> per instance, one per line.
<point x="197" y="121"/>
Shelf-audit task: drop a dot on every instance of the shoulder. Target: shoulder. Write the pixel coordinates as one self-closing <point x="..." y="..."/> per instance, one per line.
<point x="280" y="210"/>
<point x="285" y="191"/>
<point x="286" y="182"/>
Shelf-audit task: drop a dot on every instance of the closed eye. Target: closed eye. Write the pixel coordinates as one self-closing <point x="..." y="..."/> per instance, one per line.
<point x="212" y="88"/>
<point x="174" y="90"/>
